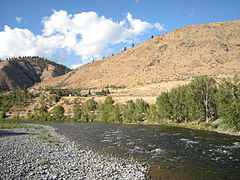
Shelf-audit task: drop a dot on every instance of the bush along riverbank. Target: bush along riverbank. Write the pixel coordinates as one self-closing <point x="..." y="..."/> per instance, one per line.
<point x="38" y="152"/>
<point x="203" y="104"/>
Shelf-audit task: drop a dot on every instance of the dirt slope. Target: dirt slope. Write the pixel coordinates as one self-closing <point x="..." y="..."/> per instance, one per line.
<point x="208" y="49"/>
<point x="18" y="73"/>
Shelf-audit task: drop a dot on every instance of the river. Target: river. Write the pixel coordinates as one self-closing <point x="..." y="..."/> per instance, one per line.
<point x="171" y="152"/>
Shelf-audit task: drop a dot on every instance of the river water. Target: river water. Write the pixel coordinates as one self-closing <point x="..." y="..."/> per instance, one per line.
<point x="171" y="152"/>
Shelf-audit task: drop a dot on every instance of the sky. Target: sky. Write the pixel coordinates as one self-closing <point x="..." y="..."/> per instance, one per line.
<point x="76" y="32"/>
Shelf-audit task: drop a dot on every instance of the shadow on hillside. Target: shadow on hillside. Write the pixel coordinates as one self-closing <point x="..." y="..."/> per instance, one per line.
<point x="11" y="133"/>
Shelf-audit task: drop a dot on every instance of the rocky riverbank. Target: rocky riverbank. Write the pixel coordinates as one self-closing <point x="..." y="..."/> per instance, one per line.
<point x="44" y="154"/>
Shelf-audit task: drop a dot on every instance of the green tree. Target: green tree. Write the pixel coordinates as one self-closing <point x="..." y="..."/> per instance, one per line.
<point x="183" y="105"/>
<point x="113" y="113"/>
<point x="163" y="106"/>
<point x="140" y="110"/>
<point x="89" y="105"/>
<point x="204" y="90"/>
<point x="88" y="109"/>
<point x="58" y="112"/>
<point x="43" y="113"/>
<point x="107" y="111"/>
<point x="228" y="102"/>
<point x="77" y="113"/>
<point x="2" y="115"/>
<point x="128" y="112"/>
<point x="43" y="109"/>
<point x="17" y="99"/>
<point x="102" y="113"/>
<point x="152" y="114"/>
<point x="109" y="100"/>
<point x="188" y="102"/>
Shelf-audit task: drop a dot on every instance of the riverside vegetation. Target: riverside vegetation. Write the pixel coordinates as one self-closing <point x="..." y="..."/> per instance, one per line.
<point x="202" y="101"/>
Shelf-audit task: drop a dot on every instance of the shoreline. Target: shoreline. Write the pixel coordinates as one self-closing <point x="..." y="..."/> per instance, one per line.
<point x="194" y="126"/>
<point x="197" y="127"/>
<point x="186" y="125"/>
<point x="41" y="153"/>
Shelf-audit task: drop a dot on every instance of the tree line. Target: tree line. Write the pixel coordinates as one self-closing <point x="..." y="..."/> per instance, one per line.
<point x="202" y="100"/>
<point x="17" y="98"/>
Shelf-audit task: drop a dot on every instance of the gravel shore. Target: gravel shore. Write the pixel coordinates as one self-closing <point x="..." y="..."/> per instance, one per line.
<point x="44" y="154"/>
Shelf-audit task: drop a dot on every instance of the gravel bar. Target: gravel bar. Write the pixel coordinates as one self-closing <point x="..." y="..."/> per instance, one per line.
<point x="44" y="154"/>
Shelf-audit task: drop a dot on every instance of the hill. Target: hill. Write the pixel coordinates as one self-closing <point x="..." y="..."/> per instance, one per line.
<point x="23" y="72"/>
<point x="207" y="49"/>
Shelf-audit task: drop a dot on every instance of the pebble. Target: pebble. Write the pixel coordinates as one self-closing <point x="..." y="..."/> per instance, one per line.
<point x="25" y="156"/>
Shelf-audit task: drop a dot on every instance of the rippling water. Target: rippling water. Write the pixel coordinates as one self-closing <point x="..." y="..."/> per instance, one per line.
<point x="173" y="153"/>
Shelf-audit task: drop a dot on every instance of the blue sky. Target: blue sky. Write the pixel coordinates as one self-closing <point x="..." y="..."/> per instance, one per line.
<point x="57" y="29"/>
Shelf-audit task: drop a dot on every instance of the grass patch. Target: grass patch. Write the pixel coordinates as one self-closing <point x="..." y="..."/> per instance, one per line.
<point x="5" y="125"/>
<point x="45" y="137"/>
<point x="43" y="162"/>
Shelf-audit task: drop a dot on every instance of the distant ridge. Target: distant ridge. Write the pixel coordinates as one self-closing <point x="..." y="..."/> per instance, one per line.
<point x="207" y="49"/>
<point x="24" y="72"/>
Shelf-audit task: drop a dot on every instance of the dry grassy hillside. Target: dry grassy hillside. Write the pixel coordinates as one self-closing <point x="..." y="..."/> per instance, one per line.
<point x="18" y="73"/>
<point x="208" y="49"/>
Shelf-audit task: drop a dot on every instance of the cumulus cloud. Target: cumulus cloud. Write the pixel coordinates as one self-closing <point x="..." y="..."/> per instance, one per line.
<point x="86" y="34"/>
<point x="18" y="19"/>
<point x="75" y="66"/>
<point x="22" y="42"/>
<point x="159" y="27"/>
<point x="137" y="26"/>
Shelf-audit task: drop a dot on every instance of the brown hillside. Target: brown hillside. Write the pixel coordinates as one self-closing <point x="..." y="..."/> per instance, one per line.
<point x="18" y="73"/>
<point x="208" y="49"/>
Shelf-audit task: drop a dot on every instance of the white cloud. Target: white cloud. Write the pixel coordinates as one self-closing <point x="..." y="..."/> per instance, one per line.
<point x="86" y="34"/>
<point x="159" y="26"/>
<point x="75" y="66"/>
<point x="137" y="26"/>
<point x="18" y="19"/>
<point x="22" y="42"/>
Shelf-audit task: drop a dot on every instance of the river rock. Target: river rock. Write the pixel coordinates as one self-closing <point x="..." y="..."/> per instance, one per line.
<point x="24" y="155"/>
